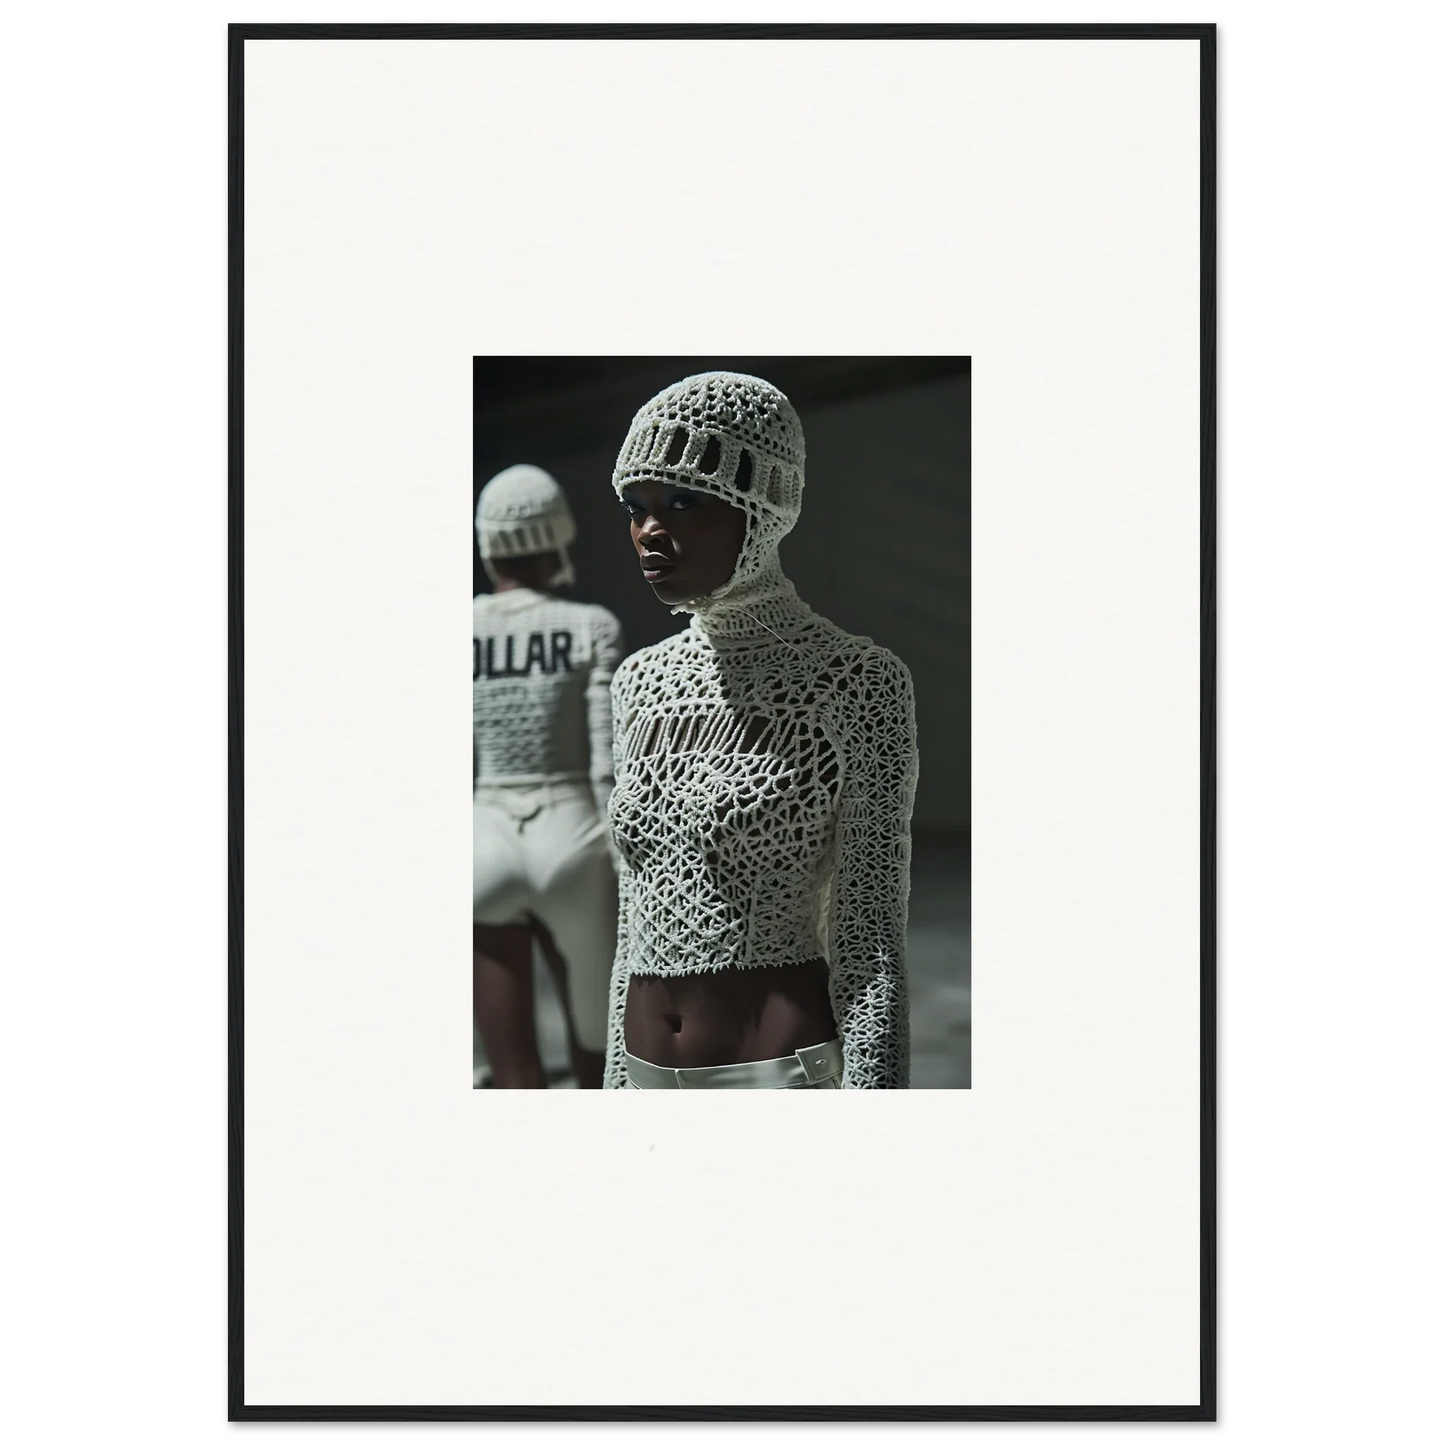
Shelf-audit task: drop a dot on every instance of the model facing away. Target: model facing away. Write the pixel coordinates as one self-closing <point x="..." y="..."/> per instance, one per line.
<point x="542" y="769"/>
<point x="765" y="762"/>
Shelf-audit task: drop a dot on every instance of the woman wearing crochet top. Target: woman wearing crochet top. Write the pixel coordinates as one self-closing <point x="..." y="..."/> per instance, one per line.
<point x="541" y="771"/>
<point x="765" y="767"/>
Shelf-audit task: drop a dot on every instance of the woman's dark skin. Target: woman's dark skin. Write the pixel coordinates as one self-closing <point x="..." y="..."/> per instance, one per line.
<point x="504" y="1006"/>
<point x="687" y="544"/>
<point x="503" y="1003"/>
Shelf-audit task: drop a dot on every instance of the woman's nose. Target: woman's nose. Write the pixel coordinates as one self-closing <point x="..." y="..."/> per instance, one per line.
<point x="649" y="527"/>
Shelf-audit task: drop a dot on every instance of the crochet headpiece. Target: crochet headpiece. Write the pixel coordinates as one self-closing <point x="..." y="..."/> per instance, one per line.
<point x="735" y="436"/>
<point x="522" y="511"/>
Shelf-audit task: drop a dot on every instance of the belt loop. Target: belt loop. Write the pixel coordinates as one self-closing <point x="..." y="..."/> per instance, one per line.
<point x="820" y="1061"/>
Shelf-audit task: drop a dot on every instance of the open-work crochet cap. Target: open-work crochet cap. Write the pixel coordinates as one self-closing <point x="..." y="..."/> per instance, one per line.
<point x="735" y="436"/>
<point x="523" y="511"/>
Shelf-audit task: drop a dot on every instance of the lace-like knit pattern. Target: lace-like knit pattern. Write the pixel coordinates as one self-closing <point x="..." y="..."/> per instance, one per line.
<point x="731" y="435"/>
<point x="541" y="689"/>
<point x="766" y="760"/>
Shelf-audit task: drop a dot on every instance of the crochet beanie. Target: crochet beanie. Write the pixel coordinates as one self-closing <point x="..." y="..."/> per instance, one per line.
<point x="522" y="511"/>
<point x="735" y="436"/>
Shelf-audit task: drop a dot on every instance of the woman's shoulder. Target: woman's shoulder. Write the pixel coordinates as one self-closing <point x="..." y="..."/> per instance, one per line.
<point x="848" y="659"/>
<point x="864" y="685"/>
<point x="603" y="615"/>
<point x="657" y="659"/>
<point x="592" y="617"/>
<point x="512" y="602"/>
<point x="594" y="611"/>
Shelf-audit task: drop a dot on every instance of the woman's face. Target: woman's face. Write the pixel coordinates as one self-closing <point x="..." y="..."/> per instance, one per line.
<point x="687" y="541"/>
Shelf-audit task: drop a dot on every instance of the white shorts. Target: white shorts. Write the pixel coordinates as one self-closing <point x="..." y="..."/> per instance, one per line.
<point x="541" y="849"/>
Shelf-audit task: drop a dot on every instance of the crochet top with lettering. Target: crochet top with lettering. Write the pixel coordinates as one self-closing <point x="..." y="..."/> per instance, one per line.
<point x="766" y="760"/>
<point x="542" y="670"/>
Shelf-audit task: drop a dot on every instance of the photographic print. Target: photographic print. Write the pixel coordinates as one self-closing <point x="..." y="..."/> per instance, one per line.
<point x="721" y="779"/>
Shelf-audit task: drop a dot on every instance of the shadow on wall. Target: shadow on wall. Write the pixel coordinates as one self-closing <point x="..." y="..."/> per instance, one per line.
<point x="882" y="547"/>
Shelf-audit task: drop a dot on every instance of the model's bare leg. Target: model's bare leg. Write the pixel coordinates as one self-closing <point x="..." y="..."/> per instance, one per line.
<point x="503" y="1003"/>
<point x="587" y="1066"/>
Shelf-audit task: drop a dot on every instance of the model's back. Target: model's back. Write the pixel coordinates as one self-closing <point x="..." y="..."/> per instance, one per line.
<point x="541" y="668"/>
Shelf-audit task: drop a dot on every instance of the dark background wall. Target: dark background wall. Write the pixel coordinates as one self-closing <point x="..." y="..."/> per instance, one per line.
<point x="882" y="547"/>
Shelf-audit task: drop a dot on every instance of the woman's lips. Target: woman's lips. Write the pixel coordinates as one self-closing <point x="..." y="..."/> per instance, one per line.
<point x="655" y="566"/>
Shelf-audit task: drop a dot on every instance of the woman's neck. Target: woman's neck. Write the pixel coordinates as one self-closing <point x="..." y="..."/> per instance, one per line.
<point x="765" y="602"/>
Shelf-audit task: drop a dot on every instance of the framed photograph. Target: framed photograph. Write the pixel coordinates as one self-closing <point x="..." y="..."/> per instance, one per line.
<point x="553" y="425"/>
<point x="827" y="412"/>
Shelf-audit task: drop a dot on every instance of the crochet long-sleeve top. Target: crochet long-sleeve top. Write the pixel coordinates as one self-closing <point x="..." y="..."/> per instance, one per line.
<point x="766" y="762"/>
<point x="541" y="689"/>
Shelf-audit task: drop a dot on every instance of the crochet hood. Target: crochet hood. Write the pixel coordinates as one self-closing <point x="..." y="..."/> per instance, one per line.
<point x="738" y="438"/>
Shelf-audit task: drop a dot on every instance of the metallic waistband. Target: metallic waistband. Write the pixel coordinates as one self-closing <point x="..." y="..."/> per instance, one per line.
<point x="814" y="1064"/>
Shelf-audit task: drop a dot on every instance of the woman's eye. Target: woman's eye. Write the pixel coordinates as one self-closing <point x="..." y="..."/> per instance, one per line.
<point x="682" y="501"/>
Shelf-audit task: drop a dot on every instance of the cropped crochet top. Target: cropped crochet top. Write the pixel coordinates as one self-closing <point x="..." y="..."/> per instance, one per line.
<point x="766" y="762"/>
<point x="541" y="674"/>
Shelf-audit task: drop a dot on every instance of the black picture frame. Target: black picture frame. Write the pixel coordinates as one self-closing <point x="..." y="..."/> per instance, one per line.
<point x="1205" y="1410"/>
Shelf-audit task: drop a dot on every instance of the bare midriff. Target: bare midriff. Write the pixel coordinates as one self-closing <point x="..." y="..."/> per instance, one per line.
<point x="733" y="1016"/>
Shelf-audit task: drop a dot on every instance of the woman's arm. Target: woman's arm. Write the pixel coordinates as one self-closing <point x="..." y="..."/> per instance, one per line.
<point x="615" y="1068"/>
<point x="868" y="901"/>
<point x="606" y="654"/>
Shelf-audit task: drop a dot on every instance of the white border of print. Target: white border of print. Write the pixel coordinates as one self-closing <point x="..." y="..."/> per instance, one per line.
<point x="1032" y="204"/>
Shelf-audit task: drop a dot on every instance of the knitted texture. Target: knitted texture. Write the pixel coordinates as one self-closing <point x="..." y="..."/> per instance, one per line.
<point x="523" y="511"/>
<point x="731" y="435"/>
<point x="766" y="760"/>
<point x="541" y="702"/>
